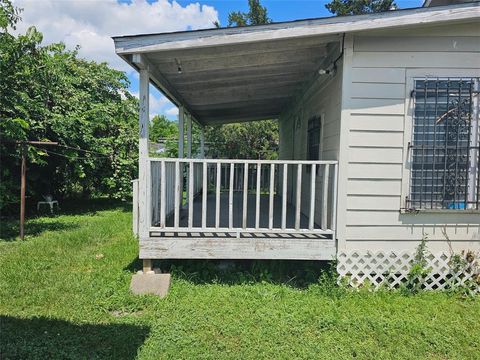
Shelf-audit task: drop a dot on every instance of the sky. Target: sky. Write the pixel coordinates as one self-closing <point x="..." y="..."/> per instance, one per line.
<point x="92" y="23"/>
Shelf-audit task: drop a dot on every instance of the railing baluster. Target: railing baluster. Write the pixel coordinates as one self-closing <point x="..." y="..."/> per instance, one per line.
<point x="245" y="195"/>
<point x="163" y="197"/>
<point x="190" y="195"/>
<point x="284" y="196"/>
<point x="177" y="194"/>
<point x="324" y="225"/>
<point x="257" y="202"/>
<point x="311" y="217"/>
<point x="217" y="197"/>
<point x="204" y="195"/>
<point x="230" y="196"/>
<point x="271" y="195"/>
<point x="298" y="202"/>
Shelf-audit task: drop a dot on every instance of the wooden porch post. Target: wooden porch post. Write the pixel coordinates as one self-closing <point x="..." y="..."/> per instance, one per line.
<point x="189" y="136"/>
<point x="181" y="132"/>
<point x="202" y="142"/>
<point x="143" y="164"/>
<point x="181" y="147"/>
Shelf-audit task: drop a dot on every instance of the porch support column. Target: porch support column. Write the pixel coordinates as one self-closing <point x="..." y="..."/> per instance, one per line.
<point x="181" y="147"/>
<point x="143" y="163"/>
<point x="189" y="136"/>
<point x="202" y="142"/>
<point x="181" y="132"/>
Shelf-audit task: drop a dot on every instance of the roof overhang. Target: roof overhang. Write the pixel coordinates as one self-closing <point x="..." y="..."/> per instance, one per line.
<point x="427" y="3"/>
<point x="252" y="73"/>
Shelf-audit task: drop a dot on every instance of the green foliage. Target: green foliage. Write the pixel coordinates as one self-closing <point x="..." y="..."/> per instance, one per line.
<point x="9" y="15"/>
<point x="252" y="140"/>
<point x="357" y="7"/>
<point x="256" y="15"/>
<point x="465" y="271"/>
<point x="65" y="294"/>
<point x="163" y="130"/>
<point x="418" y="269"/>
<point x="49" y="94"/>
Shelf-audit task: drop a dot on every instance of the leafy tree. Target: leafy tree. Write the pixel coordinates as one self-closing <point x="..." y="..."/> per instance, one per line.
<point x="9" y="15"/>
<point x="251" y="140"/>
<point x="256" y="15"/>
<point x="163" y="130"/>
<point x="48" y="93"/>
<point x="356" y="7"/>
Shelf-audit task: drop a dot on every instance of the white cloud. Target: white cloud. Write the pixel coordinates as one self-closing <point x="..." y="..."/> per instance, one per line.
<point x="157" y="103"/>
<point x="91" y="24"/>
<point x="173" y="111"/>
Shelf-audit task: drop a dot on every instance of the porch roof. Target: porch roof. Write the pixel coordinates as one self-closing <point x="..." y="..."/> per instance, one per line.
<point x="252" y="73"/>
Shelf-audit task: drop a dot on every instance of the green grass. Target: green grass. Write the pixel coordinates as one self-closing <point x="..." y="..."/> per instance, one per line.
<point x="64" y="294"/>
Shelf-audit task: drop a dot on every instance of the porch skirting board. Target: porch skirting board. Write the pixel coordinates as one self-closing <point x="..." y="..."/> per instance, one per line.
<point x="390" y="269"/>
<point x="238" y="248"/>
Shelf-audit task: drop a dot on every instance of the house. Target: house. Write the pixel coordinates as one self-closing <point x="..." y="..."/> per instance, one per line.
<point x="379" y="140"/>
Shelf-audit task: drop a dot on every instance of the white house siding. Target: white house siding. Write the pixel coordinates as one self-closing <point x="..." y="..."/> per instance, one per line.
<point x="381" y="65"/>
<point x="322" y="98"/>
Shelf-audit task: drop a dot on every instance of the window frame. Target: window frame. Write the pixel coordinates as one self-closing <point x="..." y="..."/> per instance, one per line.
<point x="411" y="76"/>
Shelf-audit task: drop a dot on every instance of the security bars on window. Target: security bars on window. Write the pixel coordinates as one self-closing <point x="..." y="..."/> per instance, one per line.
<point x="445" y="148"/>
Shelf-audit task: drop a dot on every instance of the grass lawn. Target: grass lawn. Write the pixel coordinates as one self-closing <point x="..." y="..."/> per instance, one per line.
<point x="64" y="294"/>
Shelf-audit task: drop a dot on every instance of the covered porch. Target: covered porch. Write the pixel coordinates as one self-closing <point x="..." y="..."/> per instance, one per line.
<point x="193" y="207"/>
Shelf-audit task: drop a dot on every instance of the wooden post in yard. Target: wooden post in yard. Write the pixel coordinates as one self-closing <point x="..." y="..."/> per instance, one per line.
<point x="23" y="180"/>
<point x="22" y="191"/>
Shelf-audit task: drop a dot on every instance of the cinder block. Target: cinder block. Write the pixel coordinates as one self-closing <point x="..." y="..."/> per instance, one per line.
<point x="150" y="283"/>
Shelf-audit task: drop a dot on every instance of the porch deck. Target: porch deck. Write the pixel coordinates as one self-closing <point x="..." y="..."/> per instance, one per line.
<point x="239" y="209"/>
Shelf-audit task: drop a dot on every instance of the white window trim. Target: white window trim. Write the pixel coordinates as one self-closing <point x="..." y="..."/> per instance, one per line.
<point x="411" y="75"/>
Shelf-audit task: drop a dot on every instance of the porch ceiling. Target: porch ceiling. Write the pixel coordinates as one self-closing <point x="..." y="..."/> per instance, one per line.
<point x="241" y="82"/>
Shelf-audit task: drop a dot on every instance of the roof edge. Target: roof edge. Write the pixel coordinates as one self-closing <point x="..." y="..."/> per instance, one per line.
<point x="299" y="28"/>
<point x="392" y="13"/>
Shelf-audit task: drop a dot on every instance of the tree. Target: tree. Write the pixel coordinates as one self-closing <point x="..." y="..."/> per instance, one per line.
<point x="357" y="7"/>
<point x="163" y="130"/>
<point x="49" y="94"/>
<point x="251" y="140"/>
<point x="256" y="15"/>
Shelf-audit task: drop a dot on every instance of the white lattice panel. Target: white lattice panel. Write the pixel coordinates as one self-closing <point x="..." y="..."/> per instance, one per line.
<point x="390" y="269"/>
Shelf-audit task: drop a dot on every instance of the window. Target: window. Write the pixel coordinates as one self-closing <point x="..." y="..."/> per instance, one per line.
<point x="444" y="150"/>
<point x="313" y="138"/>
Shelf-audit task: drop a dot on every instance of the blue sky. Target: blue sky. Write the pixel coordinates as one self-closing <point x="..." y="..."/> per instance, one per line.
<point x="92" y="23"/>
<point x="284" y="10"/>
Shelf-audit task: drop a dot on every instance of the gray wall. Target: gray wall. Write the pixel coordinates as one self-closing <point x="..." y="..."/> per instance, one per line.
<point x="378" y="110"/>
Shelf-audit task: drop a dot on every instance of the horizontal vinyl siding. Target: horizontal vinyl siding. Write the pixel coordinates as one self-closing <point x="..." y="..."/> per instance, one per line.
<point x="376" y="137"/>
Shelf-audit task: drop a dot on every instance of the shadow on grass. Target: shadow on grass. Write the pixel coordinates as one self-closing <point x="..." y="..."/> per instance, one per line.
<point x="92" y="206"/>
<point x="295" y="273"/>
<point x="9" y="228"/>
<point x="43" y="338"/>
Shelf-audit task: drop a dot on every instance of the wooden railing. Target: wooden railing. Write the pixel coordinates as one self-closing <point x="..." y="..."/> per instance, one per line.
<point x="235" y="196"/>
